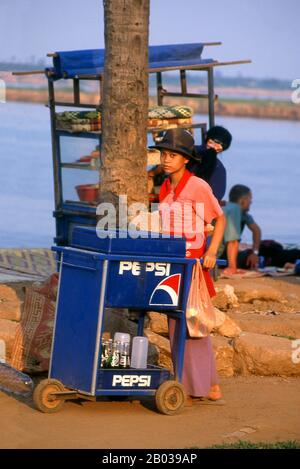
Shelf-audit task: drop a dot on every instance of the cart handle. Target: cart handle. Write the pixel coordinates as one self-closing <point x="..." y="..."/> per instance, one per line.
<point x="220" y="262"/>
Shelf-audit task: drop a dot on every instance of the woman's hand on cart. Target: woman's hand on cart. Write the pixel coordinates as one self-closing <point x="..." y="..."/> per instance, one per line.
<point x="209" y="259"/>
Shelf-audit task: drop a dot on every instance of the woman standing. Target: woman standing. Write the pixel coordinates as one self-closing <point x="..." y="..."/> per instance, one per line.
<point x="186" y="202"/>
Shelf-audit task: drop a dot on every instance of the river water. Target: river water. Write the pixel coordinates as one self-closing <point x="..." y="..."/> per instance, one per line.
<point x="265" y="155"/>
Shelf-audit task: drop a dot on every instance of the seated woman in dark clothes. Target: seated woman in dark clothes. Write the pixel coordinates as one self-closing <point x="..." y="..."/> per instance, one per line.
<point x="208" y="166"/>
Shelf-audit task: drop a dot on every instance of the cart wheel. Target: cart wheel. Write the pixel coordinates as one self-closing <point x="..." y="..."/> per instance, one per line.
<point x="42" y="396"/>
<point x="170" y="397"/>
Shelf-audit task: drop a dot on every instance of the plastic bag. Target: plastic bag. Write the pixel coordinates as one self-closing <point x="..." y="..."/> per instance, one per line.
<point x="200" y="312"/>
<point x="15" y="382"/>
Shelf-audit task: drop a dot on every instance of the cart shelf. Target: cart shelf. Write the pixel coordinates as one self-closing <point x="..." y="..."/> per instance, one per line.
<point x="128" y="381"/>
<point x="85" y="166"/>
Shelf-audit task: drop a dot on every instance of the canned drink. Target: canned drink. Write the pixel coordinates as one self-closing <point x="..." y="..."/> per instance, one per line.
<point x="122" y="356"/>
<point x="127" y="355"/>
<point x="109" y="345"/>
<point x="261" y="262"/>
<point x="109" y="353"/>
<point x="104" y="354"/>
<point x="125" y="358"/>
<point x="115" y="355"/>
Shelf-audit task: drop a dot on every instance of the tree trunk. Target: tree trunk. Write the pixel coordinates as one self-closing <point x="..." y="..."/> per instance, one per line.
<point x="125" y="102"/>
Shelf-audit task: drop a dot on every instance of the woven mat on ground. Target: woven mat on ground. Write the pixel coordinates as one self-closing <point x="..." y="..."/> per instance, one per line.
<point x="31" y="262"/>
<point x="247" y="274"/>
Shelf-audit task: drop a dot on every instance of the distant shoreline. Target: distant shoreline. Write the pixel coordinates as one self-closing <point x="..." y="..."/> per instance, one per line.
<point x="256" y="108"/>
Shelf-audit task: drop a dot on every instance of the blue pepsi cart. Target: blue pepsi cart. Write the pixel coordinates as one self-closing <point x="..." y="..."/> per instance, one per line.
<point x="98" y="272"/>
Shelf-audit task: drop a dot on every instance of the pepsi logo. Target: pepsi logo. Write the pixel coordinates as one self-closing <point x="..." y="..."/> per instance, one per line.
<point x="166" y="293"/>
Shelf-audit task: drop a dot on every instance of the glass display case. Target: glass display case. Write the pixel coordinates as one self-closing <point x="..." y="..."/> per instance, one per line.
<point x="80" y="165"/>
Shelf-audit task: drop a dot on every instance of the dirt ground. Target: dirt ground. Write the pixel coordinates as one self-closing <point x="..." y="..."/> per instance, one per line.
<point x="257" y="409"/>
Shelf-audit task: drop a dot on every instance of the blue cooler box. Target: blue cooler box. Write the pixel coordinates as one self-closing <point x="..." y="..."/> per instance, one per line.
<point x="118" y="273"/>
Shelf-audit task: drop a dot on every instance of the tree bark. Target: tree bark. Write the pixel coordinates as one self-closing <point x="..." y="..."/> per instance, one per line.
<point x="125" y="102"/>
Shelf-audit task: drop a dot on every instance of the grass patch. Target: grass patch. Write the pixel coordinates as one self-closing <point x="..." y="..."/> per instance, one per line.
<point x="241" y="444"/>
<point x="284" y="336"/>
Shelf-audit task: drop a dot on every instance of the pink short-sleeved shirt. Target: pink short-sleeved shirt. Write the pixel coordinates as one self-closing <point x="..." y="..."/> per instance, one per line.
<point x="187" y="213"/>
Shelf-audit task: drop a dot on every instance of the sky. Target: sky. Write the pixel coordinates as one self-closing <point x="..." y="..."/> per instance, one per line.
<point x="266" y="31"/>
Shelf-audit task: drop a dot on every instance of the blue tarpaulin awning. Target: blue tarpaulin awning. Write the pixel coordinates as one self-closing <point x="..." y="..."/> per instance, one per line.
<point x="71" y="64"/>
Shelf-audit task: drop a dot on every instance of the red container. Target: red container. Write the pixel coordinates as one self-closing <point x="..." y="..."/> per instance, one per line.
<point x="88" y="192"/>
